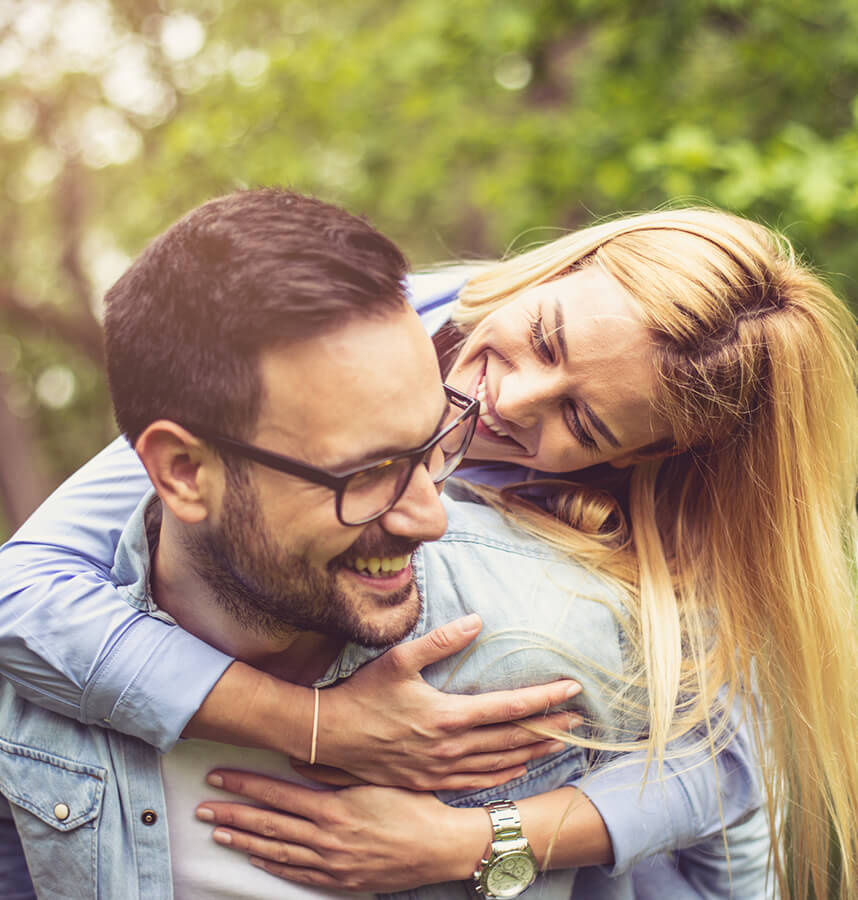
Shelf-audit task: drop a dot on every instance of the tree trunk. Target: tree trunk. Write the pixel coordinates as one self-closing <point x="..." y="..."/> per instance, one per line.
<point x="23" y="483"/>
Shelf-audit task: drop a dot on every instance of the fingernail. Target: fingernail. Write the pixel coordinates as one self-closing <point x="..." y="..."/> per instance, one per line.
<point x="256" y="861"/>
<point x="215" y="780"/>
<point x="470" y="624"/>
<point x="205" y="814"/>
<point x="558" y="746"/>
<point x="573" y="690"/>
<point x="221" y="836"/>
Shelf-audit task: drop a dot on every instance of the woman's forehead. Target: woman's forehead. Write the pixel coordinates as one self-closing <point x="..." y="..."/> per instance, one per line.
<point x="609" y="351"/>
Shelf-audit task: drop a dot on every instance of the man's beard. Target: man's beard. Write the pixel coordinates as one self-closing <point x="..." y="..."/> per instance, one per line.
<point x="271" y="591"/>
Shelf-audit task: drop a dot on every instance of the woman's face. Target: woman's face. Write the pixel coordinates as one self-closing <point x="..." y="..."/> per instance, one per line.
<point x="564" y="376"/>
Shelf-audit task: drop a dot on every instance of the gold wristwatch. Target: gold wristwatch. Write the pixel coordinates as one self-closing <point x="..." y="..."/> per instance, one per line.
<point x="509" y="867"/>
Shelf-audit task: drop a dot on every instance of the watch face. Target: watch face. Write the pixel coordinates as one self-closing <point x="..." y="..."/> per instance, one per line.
<point x="510" y="874"/>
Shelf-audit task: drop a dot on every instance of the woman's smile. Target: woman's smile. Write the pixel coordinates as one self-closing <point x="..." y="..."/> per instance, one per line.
<point x="563" y="374"/>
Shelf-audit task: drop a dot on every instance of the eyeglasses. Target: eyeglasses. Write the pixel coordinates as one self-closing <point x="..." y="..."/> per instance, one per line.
<point x="369" y="491"/>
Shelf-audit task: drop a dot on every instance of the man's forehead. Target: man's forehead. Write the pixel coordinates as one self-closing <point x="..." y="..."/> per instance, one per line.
<point x="371" y="387"/>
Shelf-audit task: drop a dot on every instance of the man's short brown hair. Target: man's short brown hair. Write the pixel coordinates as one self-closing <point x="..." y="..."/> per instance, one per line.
<point x="185" y="324"/>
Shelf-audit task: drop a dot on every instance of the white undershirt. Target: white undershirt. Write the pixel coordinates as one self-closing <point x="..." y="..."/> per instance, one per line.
<point x="202" y="869"/>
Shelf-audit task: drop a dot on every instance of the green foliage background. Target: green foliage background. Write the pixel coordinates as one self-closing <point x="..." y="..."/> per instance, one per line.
<point x="458" y="128"/>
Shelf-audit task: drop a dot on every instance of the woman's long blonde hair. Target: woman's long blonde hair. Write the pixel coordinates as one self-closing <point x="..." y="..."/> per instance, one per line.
<point x="741" y="536"/>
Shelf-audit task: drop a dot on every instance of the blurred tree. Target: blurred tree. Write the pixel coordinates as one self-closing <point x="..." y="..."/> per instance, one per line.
<point x="458" y="128"/>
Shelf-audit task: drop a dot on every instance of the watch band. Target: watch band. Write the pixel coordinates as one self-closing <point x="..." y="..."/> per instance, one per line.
<point x="509" y="866"/>
<point x="506" y="821"/>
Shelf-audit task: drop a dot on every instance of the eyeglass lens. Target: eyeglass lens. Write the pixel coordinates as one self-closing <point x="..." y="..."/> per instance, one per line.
<point x="370" y="493"/>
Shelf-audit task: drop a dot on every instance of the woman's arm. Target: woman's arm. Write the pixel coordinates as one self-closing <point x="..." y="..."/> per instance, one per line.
<point x="387" y="840"/>
<point x="69" y="642"/>
<point x="386" y="725"/>
<point x="694" y="798"/>
<point x="384" y="840"/>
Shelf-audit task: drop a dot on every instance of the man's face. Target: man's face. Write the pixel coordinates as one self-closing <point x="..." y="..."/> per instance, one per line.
<point x="276" y="555"/>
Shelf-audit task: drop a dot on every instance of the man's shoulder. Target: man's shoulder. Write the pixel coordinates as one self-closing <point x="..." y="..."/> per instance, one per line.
<point x="545" y="615"/>
<point x="484" y="553"/>
<point x="473" y="520"/>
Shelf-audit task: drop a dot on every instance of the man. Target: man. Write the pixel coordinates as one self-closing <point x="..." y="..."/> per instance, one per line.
<point x="223" y="351"/>
<point x="216" y="342"/>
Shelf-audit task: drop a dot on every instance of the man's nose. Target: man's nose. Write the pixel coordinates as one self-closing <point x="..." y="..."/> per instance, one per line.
<point x="418" y="514"/>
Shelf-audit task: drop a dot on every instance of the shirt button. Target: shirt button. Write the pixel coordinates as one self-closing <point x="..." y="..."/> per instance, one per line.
<point x="61" y="811"/>
<point x="148" y="817"/>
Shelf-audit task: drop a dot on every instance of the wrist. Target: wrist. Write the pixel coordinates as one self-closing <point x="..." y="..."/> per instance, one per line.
<point x="473" y="832"/>
<point x="250" y="708"/>
<point x="565" y="830"/>
<point x="287" y="710"/>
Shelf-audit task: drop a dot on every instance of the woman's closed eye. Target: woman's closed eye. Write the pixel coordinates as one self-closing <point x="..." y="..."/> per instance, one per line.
<point x="573" y="421"/>
<point x="543" y="349"/>
<point x="538" y="341"/>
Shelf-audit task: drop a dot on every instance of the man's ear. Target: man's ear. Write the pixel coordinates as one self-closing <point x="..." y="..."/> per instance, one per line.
<point x="181" y="468"/>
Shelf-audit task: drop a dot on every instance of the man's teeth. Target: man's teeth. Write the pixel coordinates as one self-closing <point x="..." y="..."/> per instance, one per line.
<point x="387" y="565"/>
<point x="485" y="415"/>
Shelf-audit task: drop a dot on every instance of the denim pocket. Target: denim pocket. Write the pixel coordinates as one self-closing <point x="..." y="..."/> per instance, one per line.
<point x="55" y="804"/>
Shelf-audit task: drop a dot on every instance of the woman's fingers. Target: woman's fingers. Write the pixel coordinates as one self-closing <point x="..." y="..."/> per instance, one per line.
<point x="278" y="851"/>
<point x="326" y="775"/>
<point x="312" y="877"/>
<point x="508" y="706"/>
<point x="411" y="657"/>
<point x="489" y="763"/>
<point x="272" y="792"/>
<point x="502" y="743"/>
<point x="360" y="838"/>
<point x="264" y="823"/>
<point x="533" y="730"/>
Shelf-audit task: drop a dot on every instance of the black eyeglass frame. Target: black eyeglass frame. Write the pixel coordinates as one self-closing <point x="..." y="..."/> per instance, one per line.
<point x="338" y="481"/>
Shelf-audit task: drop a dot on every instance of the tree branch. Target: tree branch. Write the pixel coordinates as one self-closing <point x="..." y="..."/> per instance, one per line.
<point x="69" y="196"/>
<point x="81" y="332"/>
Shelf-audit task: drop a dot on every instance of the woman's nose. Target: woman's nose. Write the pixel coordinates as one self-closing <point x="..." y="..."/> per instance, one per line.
<point x="523" y="397"/>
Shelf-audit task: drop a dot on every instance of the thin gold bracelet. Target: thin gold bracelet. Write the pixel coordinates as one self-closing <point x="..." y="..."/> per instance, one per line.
<point x="315" y="727"/>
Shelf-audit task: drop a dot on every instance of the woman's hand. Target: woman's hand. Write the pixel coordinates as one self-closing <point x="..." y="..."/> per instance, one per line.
<point x="356" y="839"/>
<point x="386" y="725"/>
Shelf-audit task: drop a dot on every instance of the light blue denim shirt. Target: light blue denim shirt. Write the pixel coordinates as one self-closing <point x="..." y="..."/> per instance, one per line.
<point x="88" y="802"/>
<point x="69" y="644"/>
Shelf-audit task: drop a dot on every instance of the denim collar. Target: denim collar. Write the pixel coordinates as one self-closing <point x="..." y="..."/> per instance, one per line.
<point x="132" y="568"/>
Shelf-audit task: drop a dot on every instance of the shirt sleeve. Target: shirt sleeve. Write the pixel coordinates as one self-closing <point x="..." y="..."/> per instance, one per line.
<point x="692" y="800"/>
<point x="68" y="641"/>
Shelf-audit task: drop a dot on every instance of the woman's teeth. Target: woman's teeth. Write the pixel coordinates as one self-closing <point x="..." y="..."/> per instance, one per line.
<point x="387" y="565"/>
<point x="485" y="415"/>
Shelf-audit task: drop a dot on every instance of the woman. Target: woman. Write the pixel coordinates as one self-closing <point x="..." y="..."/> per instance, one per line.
<point x="727" y="503"/>
<point x="741" y="524"/>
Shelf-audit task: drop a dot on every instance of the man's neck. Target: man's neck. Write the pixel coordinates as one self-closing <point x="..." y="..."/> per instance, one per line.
<point x="297" y="656"/>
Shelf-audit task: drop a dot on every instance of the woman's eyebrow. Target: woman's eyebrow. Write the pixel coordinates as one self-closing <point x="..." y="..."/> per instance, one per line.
<point x="598" y="424"/>
<point x="560" y="329"/>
